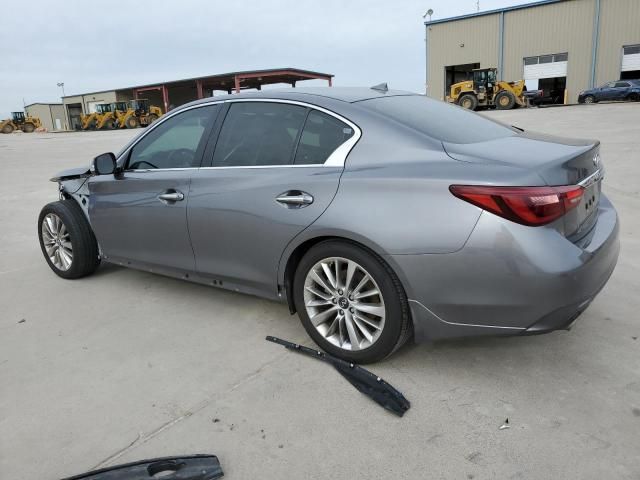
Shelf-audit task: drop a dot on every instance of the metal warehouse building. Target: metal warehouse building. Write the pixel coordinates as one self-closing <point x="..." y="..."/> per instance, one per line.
<point x="170" y="94"/>
<point x="561" y="45"/>
<point x="50" y="114"/>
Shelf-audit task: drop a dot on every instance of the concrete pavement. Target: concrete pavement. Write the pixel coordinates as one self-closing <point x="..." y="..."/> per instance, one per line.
<point x="125" y="365"/>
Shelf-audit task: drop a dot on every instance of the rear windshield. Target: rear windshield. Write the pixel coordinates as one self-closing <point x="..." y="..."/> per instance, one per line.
<point x="439" y="120"/>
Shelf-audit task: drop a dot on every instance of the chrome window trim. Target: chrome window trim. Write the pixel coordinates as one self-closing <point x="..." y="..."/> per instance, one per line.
<point x="337" y="158"/>
<point x="254" y="167"/>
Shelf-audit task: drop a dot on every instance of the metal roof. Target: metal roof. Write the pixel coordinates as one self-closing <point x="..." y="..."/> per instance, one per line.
<point x="493" y="12"/>
<point x="42" y="103"/>
<point x="292" y="73"/>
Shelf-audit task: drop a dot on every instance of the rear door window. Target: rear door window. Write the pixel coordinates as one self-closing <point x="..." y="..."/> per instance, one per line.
<point x="439" y="120"/>
<point x="321" y="136"/>
<point x="258" y="134"/>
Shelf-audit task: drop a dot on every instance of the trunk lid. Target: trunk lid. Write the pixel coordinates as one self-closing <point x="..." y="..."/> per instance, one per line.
<point x="557" y="161"/>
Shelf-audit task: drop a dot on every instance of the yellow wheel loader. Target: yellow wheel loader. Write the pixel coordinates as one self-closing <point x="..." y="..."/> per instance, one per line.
<point x="106" y="118"/>
<point x="96" y="120"/>
<point x="88" y="121"/>
<point x="19" y="121"/>
<point x="484" y="90"/>
<point x="119" y="110"/>
<point x="139" y="113"/>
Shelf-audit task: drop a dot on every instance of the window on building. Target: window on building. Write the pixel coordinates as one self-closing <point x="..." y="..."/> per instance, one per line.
<point x="632" y="50"/>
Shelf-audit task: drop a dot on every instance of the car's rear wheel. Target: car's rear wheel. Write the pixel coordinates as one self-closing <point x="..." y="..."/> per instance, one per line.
<point x="66" y="240"/>
<point x="589" y="99"/>
<point x="350" y="302"/>
<point x="634" y="97"/>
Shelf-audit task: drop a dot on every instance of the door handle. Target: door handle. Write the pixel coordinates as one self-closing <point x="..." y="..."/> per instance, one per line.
<point x="295" y="199"/>
<point x="171" y="196"/>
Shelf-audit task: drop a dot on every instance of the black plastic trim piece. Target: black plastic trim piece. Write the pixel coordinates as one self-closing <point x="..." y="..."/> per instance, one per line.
<point x="190" y="467"/>
<point x="366" y="382"/>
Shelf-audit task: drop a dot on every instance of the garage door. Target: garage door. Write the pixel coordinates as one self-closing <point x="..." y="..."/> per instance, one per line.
<point x="631" y="58"/>
<point x="544" y="66"/>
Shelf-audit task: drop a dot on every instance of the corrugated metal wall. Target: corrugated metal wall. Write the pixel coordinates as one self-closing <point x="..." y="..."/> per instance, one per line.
<point x="556" y="28"/>
<point x="619" y="26"/>
<point x="41" y="111"/>
<point x="480" y="38"/>
<point x="566" y="26"/>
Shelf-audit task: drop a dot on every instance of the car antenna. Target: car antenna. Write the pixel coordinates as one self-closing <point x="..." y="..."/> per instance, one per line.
<point x="381" y="87"/>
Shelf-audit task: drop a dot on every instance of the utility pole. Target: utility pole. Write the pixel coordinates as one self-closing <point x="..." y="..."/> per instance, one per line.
<point x="426" y="51"/>
<point x="66" y="119"/>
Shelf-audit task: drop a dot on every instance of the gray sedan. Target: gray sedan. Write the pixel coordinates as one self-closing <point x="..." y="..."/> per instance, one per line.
<point x="376" y="215"/>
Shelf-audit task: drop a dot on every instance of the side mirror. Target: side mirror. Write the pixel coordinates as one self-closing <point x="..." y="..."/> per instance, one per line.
<point x="104" y="164"/>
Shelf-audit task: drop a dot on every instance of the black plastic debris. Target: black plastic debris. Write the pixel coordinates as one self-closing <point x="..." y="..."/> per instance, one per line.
<point x="192" y="467"/>
<point x="366" y="382"/>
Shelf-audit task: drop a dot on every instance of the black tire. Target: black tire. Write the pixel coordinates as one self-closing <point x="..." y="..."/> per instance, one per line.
<point x="468" y="101"/>
<point x="589" y="99"/>
<point x="107" y="126"/>
<point x="28" y="127"/>
<point x="152" y="118"/>
<point x="8" y="128"/>
<point x="132" y="122"/>
<point x="85" y="259"/>
<point x="397" y="326"/>
<point x="634" y="97"/>
<point x="505" y="100"/>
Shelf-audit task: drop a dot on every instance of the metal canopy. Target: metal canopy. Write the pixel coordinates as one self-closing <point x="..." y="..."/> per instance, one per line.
<point x="235" y="81"/>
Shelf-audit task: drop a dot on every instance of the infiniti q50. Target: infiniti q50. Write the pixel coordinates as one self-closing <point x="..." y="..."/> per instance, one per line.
<point x="376" y="215"/>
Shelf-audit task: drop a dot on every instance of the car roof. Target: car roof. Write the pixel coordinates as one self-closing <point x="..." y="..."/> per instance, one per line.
<point x="344" y="94"/>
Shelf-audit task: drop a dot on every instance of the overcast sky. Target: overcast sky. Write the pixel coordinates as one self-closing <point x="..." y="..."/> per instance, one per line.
<point x="92" y="45"/>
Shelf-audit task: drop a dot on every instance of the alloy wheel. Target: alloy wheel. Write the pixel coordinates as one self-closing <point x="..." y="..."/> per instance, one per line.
<point x="344" y="303"/>
<point x="57" y="242"/>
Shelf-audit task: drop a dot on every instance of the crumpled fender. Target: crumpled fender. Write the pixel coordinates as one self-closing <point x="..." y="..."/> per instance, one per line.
<point x="72" y="174"/>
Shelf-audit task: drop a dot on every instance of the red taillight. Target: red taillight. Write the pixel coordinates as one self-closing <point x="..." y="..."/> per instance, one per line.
<point x="532" y="206"/>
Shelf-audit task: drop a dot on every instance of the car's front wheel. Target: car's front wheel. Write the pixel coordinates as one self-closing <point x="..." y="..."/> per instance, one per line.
<point x="589" y="99"/>
<point x="350" y="302"/>
<point x="66" y="240"/>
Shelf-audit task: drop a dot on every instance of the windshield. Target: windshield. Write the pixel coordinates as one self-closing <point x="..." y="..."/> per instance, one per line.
<point x="439" y="120"/>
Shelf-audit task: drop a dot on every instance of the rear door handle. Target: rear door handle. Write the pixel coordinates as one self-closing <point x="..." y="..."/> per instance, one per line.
<point x="295" y="199"/>
<point x="171" y="196"/>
